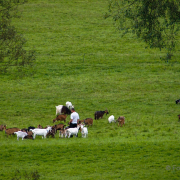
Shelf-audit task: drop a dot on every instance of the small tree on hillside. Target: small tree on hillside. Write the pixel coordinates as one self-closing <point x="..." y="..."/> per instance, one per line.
<point x="156" y="22"/>
<point x="12" y="54"/>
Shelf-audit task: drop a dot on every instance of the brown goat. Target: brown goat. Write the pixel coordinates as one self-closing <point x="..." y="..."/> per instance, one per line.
<point x="61" y="117"/>
<point x="62" y="133"/>
<point x="52" y="133"/>
<point x="87" y="121"/>
<point x="179" y="117"/>
<point x="39" y="126"/>
<point x="59" y="127"/>
<point x="121" y="120"/>
<point x="11" y="131"/>
<point x="2" y="127"/>
<point x="29" y="136"/>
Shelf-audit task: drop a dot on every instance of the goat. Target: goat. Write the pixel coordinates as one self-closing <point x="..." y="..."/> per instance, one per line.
<point x="20" y="134"/>
<point x="179" y="117"/>
<point x="39" y="126"/>
<point x="29" y="136"/>
<point x="41" y="132"/>
<point x="111" y="119"/>
<point x="59" y="127"/>
<point x="121" y="120"/>
<point x="61" y="117"/>
<point x="71" y="131"/>
<point x="11" y="131"/>
<point x="62" y="133"/>
<point x="24" y="130"/>
<point x="99" y="114"/>
<point x="2" y="127"/>
<point x="69" y="105"/>
<point x="60" y="109"/>
<point x="84" y="130"/>
<point x="31" y="127"/>
<point x="52" y="133"/>
<point x="87" y="121"/>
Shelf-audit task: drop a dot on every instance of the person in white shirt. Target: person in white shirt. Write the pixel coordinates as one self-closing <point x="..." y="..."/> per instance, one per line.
<point x="74" y="119"/>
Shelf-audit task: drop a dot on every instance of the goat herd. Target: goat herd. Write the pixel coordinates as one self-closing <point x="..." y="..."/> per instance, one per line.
<point x="61" y="114"/>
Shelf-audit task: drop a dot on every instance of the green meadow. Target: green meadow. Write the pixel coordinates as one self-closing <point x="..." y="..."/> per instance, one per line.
<point x="81" y="57"/>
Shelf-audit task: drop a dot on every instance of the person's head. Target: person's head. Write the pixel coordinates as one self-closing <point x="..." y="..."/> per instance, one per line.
<point x="72" y="110"/>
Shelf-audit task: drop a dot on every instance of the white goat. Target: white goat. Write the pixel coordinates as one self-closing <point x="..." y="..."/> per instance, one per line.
<point x="71" y="131"/>
<point x="58" y="109"/>
<point x="69" y="105"/>
<point x="111" y="119"/>
<point x="84" y="132"/>
<point x="20" y="134"/>
<point x="41" y="132"/>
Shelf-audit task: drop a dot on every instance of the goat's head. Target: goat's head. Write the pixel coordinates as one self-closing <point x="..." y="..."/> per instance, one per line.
<point x="106" y="111"/>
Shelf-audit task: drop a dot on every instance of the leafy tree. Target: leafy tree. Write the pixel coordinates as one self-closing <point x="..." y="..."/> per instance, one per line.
<point x="156" y="22"/>
<point x="12" y="54"/>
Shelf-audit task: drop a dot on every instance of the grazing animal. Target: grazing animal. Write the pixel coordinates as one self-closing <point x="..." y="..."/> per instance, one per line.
<point x="111" y="119"/>
<point x="41" y="132"/>
<point x="62" y="133"/>
<point x="121" y="120"/>
<point x="39" y="126"/>
<point x="31" y="127"/>
<point x="11" y="131"/>
<point x="20" y="134"/>
<point x="99" y="114"/>
<point x="61" y="117"/>
<point x="71" y="131"/>
<point x="84" y="132"/>
<point x="177" y="101"/>
<point x="87" y="121"/>
<point x="24" y="130"/>
<point x="29" y="136"/>
<point x="52" y="133"/>
<point x="69" y="105"/>
<point x="59" y="127"/>
<point x="179" y="117"/>
<point x="2" y="127"/>
<point x="60" y="109"/>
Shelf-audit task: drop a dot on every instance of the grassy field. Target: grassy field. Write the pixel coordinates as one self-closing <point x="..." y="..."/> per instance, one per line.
<point x="82" y="58"/>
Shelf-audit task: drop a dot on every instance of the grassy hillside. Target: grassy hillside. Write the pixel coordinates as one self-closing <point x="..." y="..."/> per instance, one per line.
<point x="82" y="58"/>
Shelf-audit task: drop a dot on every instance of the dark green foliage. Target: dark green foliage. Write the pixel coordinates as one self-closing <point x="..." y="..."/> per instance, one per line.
<point x="13" y="56"/>
<point x="155" y="21"/>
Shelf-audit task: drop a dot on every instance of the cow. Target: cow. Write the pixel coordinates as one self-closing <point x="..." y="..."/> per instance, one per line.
<point x="60" y="109"/>
<point x="61" y="117"/>
<point x="121" y="120"/>
<point x="11" y="131"/>
<point x="2" y="127"/>
<point x="177" y="101"/>
<point x="99" y="114"/>
<point x="87" y="121"/>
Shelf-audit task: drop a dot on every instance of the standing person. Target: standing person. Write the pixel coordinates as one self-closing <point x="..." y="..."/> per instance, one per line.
<point x="74" y="118"/>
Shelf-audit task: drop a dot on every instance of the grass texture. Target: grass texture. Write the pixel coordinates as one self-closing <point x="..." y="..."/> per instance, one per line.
<point x="82" y="58"/>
